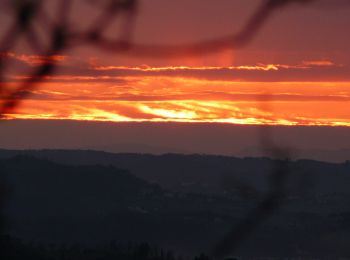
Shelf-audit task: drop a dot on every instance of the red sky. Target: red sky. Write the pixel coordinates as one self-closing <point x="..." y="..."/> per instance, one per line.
<point x="295" y="71"/>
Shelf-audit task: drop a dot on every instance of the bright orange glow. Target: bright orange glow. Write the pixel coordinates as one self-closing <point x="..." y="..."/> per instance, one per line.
<point x="264" y="67"/>
<point x="34" y="60"/>
<point x="181" y="99"/>
<point x="257" y="67"/>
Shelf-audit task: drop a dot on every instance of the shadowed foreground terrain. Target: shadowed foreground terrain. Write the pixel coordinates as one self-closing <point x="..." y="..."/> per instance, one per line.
<point x="185" y="203"/>
<point x="14" y="249"/>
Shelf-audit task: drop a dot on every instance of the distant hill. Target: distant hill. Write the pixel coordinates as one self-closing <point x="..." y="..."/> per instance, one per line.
<point x="316" y="142"/>
<point x="54" y="203"/>
<point x="204" y="173"/>
<point x="90" y="200"/>
<point x="325" y="155"/>
<point x="134" y="148"/>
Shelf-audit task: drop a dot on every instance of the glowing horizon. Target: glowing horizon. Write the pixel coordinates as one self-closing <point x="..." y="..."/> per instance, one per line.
<point x="275" y="76"/>
<point x="188" y="98"/>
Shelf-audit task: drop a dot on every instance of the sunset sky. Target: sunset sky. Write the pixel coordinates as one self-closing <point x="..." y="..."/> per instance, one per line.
<point x="237" y="109"/>
<point x="295" y="71"/>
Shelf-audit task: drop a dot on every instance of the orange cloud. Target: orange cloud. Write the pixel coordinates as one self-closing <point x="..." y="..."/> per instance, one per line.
<point x="184" y="100"/>
<point x="186" y="111"/>
<point x="34" y="60"/>
<point x="319" y="63"/>
<point x="186" y="94"/>
<point x="145" y="68"/>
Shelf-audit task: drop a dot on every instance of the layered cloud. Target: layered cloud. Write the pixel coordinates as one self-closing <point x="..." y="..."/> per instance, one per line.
<point x="73" y="68"/>
<point x="311" y="92"/>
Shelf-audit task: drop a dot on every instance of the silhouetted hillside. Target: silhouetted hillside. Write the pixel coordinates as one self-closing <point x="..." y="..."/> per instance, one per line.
<point x="205" y="173"/>
<point x="56" y="203"/>
<point x="93" y="204"/>
<point x="335" y="155"/>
